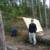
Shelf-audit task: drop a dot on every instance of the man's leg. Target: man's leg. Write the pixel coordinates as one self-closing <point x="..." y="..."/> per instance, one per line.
<point x="34" y="38"/>
<point x="30" y="37"/>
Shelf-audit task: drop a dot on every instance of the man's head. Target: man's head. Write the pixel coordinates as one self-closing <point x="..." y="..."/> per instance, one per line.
<point x="31" y="20"/>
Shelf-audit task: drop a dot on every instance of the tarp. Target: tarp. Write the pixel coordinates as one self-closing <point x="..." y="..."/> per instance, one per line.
<point x="28" y="21"/>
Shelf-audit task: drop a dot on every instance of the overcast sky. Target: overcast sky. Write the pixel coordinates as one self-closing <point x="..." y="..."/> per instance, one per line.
<point x="47" y="2"/>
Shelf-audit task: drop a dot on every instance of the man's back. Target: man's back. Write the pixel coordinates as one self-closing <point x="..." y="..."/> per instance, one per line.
<point x="32" y="28"/>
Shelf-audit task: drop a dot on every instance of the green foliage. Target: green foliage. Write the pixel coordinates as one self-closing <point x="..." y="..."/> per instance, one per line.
<point x="12" y="10"/>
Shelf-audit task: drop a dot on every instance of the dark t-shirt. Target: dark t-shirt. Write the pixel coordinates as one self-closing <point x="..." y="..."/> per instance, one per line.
<point x="32" y="28"/>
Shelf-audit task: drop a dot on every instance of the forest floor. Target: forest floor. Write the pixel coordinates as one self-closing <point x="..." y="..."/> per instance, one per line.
<point x="16" y="42"/>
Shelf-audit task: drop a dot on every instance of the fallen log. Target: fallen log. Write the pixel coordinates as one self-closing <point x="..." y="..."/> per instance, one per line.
<point x="42" y="37"/>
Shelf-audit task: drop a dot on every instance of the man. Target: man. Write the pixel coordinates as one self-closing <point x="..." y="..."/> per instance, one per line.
<point x="32" y="32"/>
<point x="13" y="29"/>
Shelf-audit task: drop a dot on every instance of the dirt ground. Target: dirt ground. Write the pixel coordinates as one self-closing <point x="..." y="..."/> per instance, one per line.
<point x="18" y="43"/>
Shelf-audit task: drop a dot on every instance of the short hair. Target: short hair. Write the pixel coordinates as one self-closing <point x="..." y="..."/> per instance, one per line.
<point x="31" y="20"/>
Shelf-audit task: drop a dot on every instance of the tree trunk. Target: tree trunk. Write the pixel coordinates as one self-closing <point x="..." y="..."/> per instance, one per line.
<point x="45" y="14"/>
<point x="40" y="13"/>
<point x="2" y="35"/>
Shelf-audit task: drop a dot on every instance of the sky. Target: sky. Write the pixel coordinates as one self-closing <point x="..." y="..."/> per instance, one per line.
<point x="47" y="2"/>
